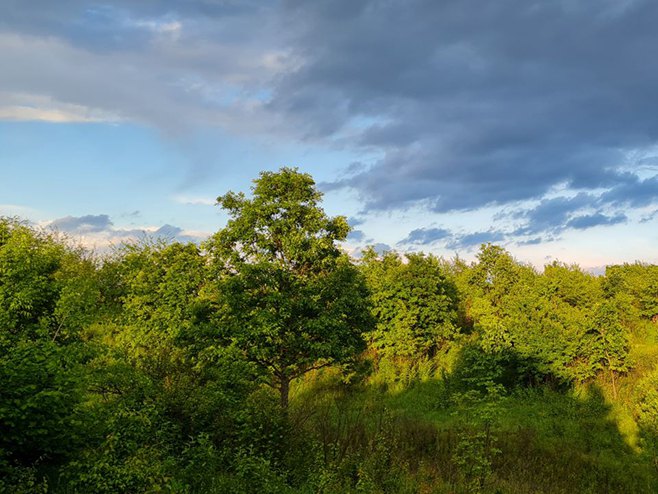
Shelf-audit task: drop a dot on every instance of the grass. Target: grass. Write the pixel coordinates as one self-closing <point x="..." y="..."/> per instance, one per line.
<point x="550" y="441"/>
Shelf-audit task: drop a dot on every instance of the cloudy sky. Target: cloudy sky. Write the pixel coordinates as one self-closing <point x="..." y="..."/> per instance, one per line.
<point x="433" y="125"/>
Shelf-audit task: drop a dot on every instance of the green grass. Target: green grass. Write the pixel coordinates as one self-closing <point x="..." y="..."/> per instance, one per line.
<point x="551" y="442"/>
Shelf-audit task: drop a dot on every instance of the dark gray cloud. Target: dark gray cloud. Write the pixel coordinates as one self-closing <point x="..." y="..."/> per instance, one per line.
<point x="176" y="66"/>
<point x="532" y="241"/>
<point x="463" y="104"/>
<point x="597" y="219"/>
<point x="356" y="236"/>
<point x="82" y="224"/>
<point x="118" y="24"/>
<point x="632" y="191"/>
<point x="381" y="248"/>
<point x="649" y="217"/>
<point x="452" y="240"/>
<point x="472" y="105"/>
<point x="551" y="215"/>
<point x="352" y="221"/>
<point x="168" y="231"/>
<point x="470" y="240"/>
<point x="425" y="236"/>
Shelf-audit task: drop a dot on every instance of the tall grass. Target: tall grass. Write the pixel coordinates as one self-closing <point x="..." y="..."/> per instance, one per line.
<point x="371" y="436"/>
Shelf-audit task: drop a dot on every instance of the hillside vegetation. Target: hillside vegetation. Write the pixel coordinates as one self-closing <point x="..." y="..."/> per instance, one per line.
<point x="268" y="361"/>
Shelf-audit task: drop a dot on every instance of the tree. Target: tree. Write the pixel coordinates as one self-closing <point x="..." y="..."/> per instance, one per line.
<point x="541" y="318"/>
<point x="493" y="288"/>
<point x="47" y="289"/>
<point x="414" y="303"/>
<point x="609" y="347"/>
<point x="293" y="302"/>
<point x="160" y="286"/>
<point x="635" y="287"/>
<point x="48" y="295"/>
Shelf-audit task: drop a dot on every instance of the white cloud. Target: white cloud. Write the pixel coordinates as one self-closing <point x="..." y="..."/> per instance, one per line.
<point x="52" y="111"/>
<point x="171" y="30"/>
<point x="103" y="241"/>
<point x="195" y="200"/>
<point x="168" y="85"/>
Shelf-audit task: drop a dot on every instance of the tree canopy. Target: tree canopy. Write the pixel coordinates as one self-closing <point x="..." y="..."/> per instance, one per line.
<point x="293" y="300"/>
<point x="414" y="303"/>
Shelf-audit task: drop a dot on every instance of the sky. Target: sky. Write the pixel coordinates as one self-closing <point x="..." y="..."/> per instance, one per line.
<point x="433" y="126"/>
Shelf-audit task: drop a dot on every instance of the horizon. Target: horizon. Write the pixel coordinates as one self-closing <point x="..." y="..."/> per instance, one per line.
<point x="100" y="247"/>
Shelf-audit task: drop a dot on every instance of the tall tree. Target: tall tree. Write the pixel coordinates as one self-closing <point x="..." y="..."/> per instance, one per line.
<point x="293" y="301"/>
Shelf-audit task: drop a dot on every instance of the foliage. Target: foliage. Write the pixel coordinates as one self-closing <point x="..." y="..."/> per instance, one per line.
<point x="293" y="301"/>
<point x="160" y="286"/>
<point x="476" y="443"/>
<point x="645" y="398"/>
<point x="609" y="346"/>
<point x="557" y="320"/>
<point x="414" y="304"/>
<point x="151" y="369"/>
<point x="39" y="400"/>
<point x="636" y="285"/>
<point x="47" y="291"/>
<point x="47" y="294"/>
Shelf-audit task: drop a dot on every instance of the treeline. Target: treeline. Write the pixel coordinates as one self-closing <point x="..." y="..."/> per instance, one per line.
<point x="267" y="360"/>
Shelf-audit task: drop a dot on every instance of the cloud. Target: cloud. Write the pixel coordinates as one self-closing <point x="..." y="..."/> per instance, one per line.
<point x="451" y="240"/>
<point x="168" y="231"/>
<point x="475" y="107"/>
<point x="163" y="65"/>
<point x="649" y="217"/>
<point x="195" y="200"/>
<point x="591" y="220"/>
<point x="353" y="221"/>
<point x="82" y="224"/>
<point x="425" y="236"/>
<point x="632" y="191"/>
<point x="470" y="240"/>
<point x="451" y="105"/>
<point x="551" y="215"/>
<point x="99" y="232"/>
<point x="532" y="241"/>
<point x="381" y="248"/>
<point x="356" y="236"/>
<point x="54" y="115"/>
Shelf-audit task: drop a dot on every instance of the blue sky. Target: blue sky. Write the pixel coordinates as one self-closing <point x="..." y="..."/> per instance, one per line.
<point x="433" y="126"/>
